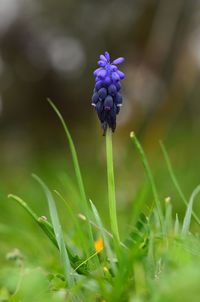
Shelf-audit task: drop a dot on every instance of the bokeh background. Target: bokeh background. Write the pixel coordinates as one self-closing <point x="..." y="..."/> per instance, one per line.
<point x="50" y="49"/>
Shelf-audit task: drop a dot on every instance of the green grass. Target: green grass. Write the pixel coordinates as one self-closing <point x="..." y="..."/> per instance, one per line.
<point x="156" y="258"/>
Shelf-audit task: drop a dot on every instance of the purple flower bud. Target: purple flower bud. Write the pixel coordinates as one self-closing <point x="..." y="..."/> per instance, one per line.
<point x="118" y="61"/>
<point x="121" y="74"/>
<point x="108" y="103"/>
<point x="113" y="67"/>
<point x="102" y="93"/>
<point x="107" y="81"/>
<point x="103" y="58"/>
<point x="97" y="71"/>
<point x="102" y="63"/>
<point x="118" y="99"/>
<point x="107" y="56"/>
<point x="97" y="79"/>
<point x="99" y="109"/>
<point x="118" y="85"/>
<point x="101" y="112"/>
<point x="113" y="111"/>
<point x="98" y="85"/>
<point x="102" y="73"/>
<point x="95" y="99"/>
<point x="112" y="90"/>
<point x="115" y="76"/>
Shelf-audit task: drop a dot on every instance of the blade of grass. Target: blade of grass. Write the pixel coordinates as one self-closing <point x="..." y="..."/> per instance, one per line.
<point x="174" y="180"/>
<point x="188" y="214"/>
<point x="150" y="177"/>
<point x="176" y="225"/>
<point x="44" y="225"/>
<point x="104" y="235"/>
<point x="168" y="215"/>
<point x="151" y="255"/>
<point x="47" y="228"/>
<point x="111" y="187"/>
<point x="83" y="203"/>
<point x="68" y="271"/>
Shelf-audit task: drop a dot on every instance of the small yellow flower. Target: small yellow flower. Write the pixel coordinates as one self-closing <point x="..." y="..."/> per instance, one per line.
<point x="99" y="245"/>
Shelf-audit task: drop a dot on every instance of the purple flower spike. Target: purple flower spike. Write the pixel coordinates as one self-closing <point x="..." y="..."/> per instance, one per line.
<point x="118" y="61"/>
<point x="107" y="99"/>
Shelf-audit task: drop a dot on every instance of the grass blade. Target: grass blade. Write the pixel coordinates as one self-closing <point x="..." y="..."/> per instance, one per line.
<point x="83" y="203"/>
<point x="168" y="215"/>
<point x="47" y="228"/>
<point x="174" y="180"/>
<point x="68" y="271"/>
<point x="43" y="224"/>
<point x="176" y="225"/>
<point x="188" y="215"/>
<point x="150" y="177"/>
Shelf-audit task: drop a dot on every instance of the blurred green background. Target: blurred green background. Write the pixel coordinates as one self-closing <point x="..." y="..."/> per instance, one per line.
<point x="50" y="49"/>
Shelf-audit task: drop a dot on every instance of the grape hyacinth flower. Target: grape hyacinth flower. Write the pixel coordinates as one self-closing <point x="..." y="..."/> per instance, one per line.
<point x="107" y="98"/>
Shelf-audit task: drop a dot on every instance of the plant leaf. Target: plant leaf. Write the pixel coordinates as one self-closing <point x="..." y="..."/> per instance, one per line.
<point x="188" y="214"/>
<point x="68" y="271"/>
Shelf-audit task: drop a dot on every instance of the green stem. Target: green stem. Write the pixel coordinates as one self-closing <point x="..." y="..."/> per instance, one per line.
<point x="111" y="186"/>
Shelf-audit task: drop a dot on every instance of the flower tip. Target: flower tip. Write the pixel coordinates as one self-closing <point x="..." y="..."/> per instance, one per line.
<point x="103" y="58"/>
<point x="118" y="61"/>
<point x="107" y="55"/>
<point x="132" y="134"/>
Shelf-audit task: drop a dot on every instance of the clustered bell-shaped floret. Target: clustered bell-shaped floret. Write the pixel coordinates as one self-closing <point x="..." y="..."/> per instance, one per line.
<point x="107" y="98"/>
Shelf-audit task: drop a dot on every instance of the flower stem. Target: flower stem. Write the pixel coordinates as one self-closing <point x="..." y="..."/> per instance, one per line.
<point x="111" y="186"/>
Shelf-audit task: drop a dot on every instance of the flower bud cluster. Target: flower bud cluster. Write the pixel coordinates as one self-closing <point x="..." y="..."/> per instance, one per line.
<point x="107" y="98"/>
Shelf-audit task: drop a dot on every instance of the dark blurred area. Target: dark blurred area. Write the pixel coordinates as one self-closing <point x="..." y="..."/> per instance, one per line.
<point x="50" y="49"/>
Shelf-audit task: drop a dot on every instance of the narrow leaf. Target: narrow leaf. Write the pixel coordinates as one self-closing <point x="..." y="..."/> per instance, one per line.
<point x="175" y="181"/>
<point x="150" y="177"/>
<point x="188" y="215"/>
<point x="44" y="225"/>
<point x="58" y="233"/>
<point x="83" y="202"/>
<point x="176" y="225"/>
